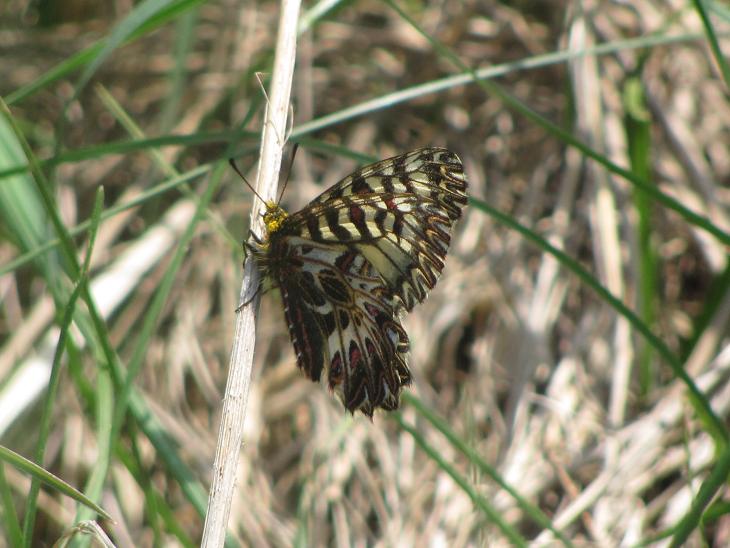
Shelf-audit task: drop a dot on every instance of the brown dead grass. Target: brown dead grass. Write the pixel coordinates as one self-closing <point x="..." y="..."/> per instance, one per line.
<point x="523" y="361"/>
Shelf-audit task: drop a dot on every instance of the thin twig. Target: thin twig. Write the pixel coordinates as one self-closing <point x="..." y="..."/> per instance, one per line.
<point x="236" y="396"/>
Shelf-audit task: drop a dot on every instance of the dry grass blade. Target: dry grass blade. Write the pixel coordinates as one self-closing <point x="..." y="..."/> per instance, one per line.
<point x="241" y="364"/>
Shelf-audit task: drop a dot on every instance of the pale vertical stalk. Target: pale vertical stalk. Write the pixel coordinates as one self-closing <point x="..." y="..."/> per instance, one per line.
<point x="230" y="434"/>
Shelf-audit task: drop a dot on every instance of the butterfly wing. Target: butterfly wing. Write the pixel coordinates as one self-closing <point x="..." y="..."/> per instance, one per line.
<point x="424" y="171"/>
<point x="398" y="213"/>
<point x="353" y="259"/>
<point x="343" y="322"/>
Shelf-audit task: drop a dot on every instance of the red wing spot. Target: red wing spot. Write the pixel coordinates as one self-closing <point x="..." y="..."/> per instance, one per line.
<point x="355" y="356"/>
<point x="344" y="261"/>
<point x="305" y="336"/>
<point x="370" y="347"/>
<point x="336" y="375"/>
<point x="390" y="203"/>
<point x="357" y="215"/>
<point x="371" y="310"/>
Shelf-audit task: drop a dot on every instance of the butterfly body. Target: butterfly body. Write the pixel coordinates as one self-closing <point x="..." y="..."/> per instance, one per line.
<point x="353" y="260"/>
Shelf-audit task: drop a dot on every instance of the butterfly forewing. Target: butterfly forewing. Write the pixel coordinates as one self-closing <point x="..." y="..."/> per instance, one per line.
<point x="427" y="172"/>
<point x="397" y="212"/>
<point x="352" y="260"/>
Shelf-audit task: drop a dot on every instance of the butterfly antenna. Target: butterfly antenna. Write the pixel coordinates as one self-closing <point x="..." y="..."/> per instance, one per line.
<point x="235" y="168"/>
<point x="288" y="172"/>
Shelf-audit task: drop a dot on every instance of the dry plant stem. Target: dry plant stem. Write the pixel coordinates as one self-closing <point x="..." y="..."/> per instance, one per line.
<point x="230" y="433"/>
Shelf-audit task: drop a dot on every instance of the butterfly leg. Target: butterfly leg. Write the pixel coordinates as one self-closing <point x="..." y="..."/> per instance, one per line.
<point x="249" y="301"/>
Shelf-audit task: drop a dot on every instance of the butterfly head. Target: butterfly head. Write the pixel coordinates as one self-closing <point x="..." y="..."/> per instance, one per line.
<point x="274" y="217"/>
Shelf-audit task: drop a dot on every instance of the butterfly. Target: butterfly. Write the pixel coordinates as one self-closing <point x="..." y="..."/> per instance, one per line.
<point x="350" y="263"/>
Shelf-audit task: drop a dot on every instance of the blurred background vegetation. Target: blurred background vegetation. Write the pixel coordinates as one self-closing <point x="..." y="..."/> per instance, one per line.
<point x="571" y="368"/>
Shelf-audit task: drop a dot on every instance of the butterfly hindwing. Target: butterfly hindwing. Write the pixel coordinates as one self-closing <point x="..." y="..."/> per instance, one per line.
<point x="342" y="321"/>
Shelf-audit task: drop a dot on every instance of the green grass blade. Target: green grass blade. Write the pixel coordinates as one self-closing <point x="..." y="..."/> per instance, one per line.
<point x="53" y="383"/>
<point x="530" y="509"/>
<point x="13" y="532"/>
<point x="479" y="501"/>
<point x="96" y="54"/>
<point x="32" y="469"/>
<point x="568" y="138"/>
<point x="699" y="400"/>
<point x="637" y="126"/>
<point x="714" y="42"/>
<point x="142" y="198"/>
<point x="716" y="481"/>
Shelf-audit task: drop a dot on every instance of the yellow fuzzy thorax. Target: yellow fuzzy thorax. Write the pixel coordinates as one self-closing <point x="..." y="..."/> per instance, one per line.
<point x="274" y="217"/>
